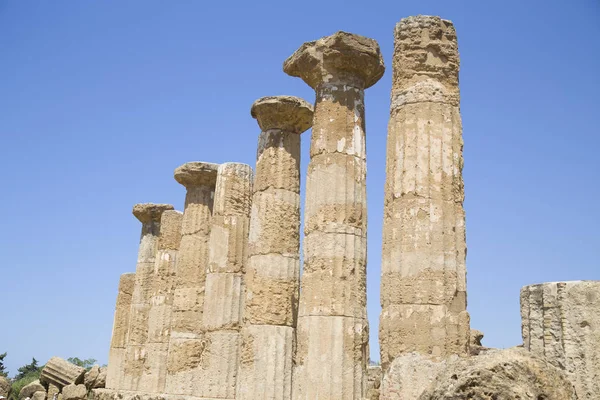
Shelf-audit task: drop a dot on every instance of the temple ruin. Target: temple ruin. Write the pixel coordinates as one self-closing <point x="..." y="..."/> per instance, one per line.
<point x="217" y="307"/>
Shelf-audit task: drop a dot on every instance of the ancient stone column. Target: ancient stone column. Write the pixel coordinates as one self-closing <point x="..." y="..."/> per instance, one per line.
<point x="149" y="215"/>
<point x="223" y="306"/>
<point x="273" y="271"/>
<point x="186" y="340"/>
<point x="159" y="321"/>
<point x="118" y="343"/>
<point x="332" y="333"/>
<point x="561" y="321"/>
<point x="60" y="372"/>
<point x="423" y="277"/>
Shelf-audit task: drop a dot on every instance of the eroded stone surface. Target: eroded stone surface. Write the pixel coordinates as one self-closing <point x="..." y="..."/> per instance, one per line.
<point x="408" y="376"/>
<point x="272" y="274"/>
<point x="60" y="372"/>
<point x="29" y="389"/>
<point x="561" y="321"/>
<point x="74" y="392"/>
<point x="423" y="278"/>
<point x="197" y="173"/>
<point x="332" y="330"/>
<point x="341" y="58"/>
<point x="501" y="374"/>
<point x="287" y="113"/>
<point x="186" y="332"/>
<point x="4" y="387"/>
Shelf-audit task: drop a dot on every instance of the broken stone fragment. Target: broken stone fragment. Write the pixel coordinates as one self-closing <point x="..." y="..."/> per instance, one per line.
<point x="74" y="392"/>
<point x="500" y="374"/>
<point x="4" y="387"/>
<point x="90" y="376"/>
<point x="30" y="389"/>
<point x="101" y="379"/>
<point x="60" y="372"/>
<point x="39" y="395"/>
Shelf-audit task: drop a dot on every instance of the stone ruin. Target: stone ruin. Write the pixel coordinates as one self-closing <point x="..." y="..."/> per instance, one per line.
<point x="216" y="308"/>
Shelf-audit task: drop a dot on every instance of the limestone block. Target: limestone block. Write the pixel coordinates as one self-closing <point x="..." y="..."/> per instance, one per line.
<point x="265" y="367"/>
<point x="425" y="47"/>
<point x="561" y="321"/>
<point x="60" y="372"/>
<point x="373" y="382"/>
<point x="53" y="390"/>
<point x="138" y="325"/>
<point x="330" y="365"/>
<point x="432" y="330"/>
<point x="122" y="311"/>
<point x="192" y="261"/>
<point x="223" y="307"/>
<point x="336" y="199"/>
<point x="101" y="380"/>
<point x="271" y="290"/>
<point x="206" y="367"/>
<point x="275" y="223"/>
<point x="89" y="379"/>
<point x="278" y="161"/>
<point x="408" y="376"/>
<point x="29" y="389"/>
<point x="233" y="191"/>
<point x="334" y="276"/>
<point x="39" y="395"/>
<point x="340" y="57"/>
<point x="501" y="374"/>
<point x="425" y="151"/>
<point x="5" y="386"/>
<point x="228" y="243"/>
<point x="146" y="367"/>
<point x="74" y="392"/>
<point x="116" y="365"/>
<point x="159" y="323"/>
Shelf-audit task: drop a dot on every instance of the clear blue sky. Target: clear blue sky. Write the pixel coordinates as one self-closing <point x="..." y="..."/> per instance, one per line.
<point x="101" y="100"/>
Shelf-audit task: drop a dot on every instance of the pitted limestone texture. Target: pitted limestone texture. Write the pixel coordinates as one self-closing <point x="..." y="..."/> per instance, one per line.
<point x="60" y="372"/>
<point x="423" y="277"/>
<point x="186" y="331"/>
<point x="561" y="321"/>
<point x="273" y="271"/>
<point x="332" y="330"/>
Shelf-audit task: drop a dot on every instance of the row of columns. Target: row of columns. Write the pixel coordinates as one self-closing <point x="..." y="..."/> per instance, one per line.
<point x="227" y="313"/>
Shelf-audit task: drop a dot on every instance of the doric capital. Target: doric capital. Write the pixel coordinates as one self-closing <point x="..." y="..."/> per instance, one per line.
<point x="150" y="212"/>
<point x="288" y="113"/>
<point x="342" y="58"/>
<point x="197" y="173"/>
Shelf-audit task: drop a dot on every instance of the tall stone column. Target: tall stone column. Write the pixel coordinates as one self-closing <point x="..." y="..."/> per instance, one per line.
<point x="423" y="277"/>
<point x="118" y="343"/>
<point x="223" y="307"/>
<point x="561" y="321"/>
<point x="273" y="271"/>
<point x="186" y="342"/>
<point x="332" y="333"/>
<point x="159" y="321"/>
<point x="149" y="215"/>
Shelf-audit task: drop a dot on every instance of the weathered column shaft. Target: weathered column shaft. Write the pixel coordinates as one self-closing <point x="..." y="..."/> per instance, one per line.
<point x="273" y="272"/>
<point x="216" y="374"/>
<point x="423" y="278"/>
<point x="154" y="376"/>
<point x="186" y="341"/>
<point x="561" y="321"/>
<point x="332" y="333"/>
<point x="137" y="338"/>
<point x="118" y="343"/>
